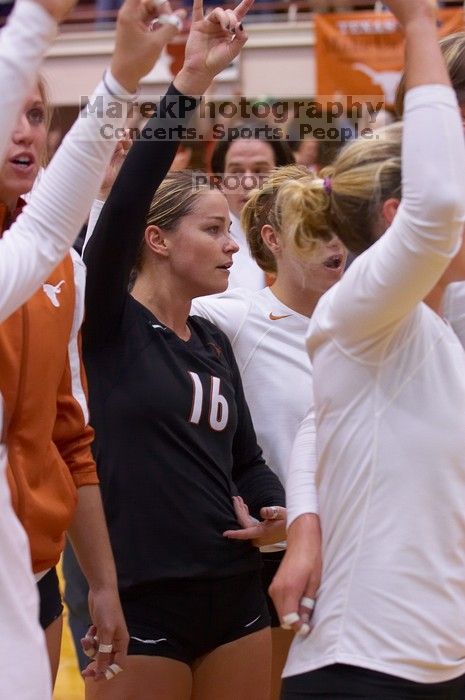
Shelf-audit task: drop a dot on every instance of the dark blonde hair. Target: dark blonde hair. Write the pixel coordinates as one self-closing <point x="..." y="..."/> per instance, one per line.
<point x="453" y="50"/>
<point x="363" y="176"/>
<point x="294" y="203"/>
<point x="44" y="91"/>
<point x="174" y="199"/>
<point x="346" y="203"/>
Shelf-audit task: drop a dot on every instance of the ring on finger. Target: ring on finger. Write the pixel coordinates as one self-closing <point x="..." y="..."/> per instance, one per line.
<point x="105" y="648"/>
<point x="307" y="602"/>
<point x="171" y="19"/>
<point x="290" y="619"/>
<point x="112" y="671"/>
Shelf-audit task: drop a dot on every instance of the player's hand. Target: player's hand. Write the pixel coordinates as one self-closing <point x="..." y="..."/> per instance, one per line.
<point x="108" y="638"/>
<point x="117" y="160"/>
<point x="270" y="530"/>
<point x="295" y="585"/>
<point x="140" y="38"/>
<point x="214" y="41"/>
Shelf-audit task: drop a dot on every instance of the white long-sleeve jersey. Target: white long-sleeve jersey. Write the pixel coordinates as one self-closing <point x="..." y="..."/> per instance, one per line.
<point x="389" y="384"/>
<point x="268" y="339"/>
<point x="29" y="251"/>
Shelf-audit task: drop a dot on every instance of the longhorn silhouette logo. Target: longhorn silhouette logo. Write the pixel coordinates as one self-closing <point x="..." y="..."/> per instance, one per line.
<point x="387" y="80"/>
<point x="52" y="292"/>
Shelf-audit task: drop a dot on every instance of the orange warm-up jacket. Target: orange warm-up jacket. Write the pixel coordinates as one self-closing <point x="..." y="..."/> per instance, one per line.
<point x="43" y="385"/>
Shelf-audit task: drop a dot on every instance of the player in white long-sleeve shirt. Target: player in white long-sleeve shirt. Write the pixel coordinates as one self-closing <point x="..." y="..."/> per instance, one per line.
<point x="28" y="252"/>
<point x="267" y="331"/>
<point x="389" y="379"/>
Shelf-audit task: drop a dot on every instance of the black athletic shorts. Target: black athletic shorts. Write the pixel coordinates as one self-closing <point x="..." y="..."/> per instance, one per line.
<point x="342" y="682"/>
<point x="186" y="619"/>
<point x="51" y="606"/>
<point x="271" y="562"/>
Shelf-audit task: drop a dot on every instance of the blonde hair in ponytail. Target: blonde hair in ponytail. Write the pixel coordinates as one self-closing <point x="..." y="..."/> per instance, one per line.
<point x="363" y="176"/>
<point x="303" y="205"/>
<point x="293" y="202"/>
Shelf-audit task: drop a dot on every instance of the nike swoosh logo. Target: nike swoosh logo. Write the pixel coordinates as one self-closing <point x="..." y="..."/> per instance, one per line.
<point x="272" y="317"/>
<point x="149" y="641"/>
<point x="251" y="623"/>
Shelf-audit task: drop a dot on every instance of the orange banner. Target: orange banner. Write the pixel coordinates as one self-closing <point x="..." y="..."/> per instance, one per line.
<point x="362" y="53"/>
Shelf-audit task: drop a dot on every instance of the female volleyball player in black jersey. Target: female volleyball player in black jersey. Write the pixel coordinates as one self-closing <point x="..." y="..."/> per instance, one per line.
<point x="174" y="438"/>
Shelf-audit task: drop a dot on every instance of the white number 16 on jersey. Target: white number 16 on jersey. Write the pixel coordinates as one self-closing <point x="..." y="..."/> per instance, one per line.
<point x="218" y="411"/>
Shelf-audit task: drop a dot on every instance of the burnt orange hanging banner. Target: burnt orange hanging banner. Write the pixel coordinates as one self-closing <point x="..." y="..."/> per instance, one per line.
<point x="362" y="53"/>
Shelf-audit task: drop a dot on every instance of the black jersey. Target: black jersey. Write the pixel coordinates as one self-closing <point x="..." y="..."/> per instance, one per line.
<point x="174" y="438"/>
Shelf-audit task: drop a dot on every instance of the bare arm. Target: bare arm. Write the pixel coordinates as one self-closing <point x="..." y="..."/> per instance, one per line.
<point x="299" y="573"/>
<point x="89" y="536"/>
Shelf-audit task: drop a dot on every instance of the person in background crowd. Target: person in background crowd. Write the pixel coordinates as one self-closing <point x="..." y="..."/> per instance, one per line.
<point x="243" y="163"/>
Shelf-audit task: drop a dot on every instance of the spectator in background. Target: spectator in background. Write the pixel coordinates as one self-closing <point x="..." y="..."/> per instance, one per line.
<point x="242" y="162"/>
<point x="306" y="152"/>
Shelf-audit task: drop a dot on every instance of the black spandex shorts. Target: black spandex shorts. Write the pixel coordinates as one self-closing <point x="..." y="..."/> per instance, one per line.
<point x="186" y="619"/>
<point x="342" y="682"/>
<point x="51" y="606"/>
<point x="271" y="562"/>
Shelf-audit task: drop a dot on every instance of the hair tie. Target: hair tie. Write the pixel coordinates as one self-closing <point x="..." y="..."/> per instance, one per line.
<point x="328" y="185"/>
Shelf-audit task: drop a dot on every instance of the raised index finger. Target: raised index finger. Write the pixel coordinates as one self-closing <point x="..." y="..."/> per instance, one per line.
<point x="241" y="10"/>
<point x="197" y="10"/>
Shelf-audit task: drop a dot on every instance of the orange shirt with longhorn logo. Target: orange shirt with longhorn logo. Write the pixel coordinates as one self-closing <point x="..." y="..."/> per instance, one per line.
<point x="43" y="385"/>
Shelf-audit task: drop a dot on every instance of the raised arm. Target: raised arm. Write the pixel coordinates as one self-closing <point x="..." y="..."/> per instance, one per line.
<point x="399" y="270"/>
<point x="48" y="225"/>
<point x="59" y="205"/>
<point x="29" y="31"/>
<point x="111" y="251"/>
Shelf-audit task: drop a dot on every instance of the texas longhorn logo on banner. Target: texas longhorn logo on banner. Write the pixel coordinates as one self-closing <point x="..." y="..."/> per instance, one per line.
<point x="362" y="53"/>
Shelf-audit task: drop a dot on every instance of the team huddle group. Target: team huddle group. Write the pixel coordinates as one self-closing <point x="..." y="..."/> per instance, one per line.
<point x="274" y="480"/>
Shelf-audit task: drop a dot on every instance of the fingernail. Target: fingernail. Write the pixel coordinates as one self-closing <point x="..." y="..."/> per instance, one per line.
<point x="303" y="630"/>
<point x="285" y="627"/>
<point x="88" y="673"/>
<point x="90" y="653"/>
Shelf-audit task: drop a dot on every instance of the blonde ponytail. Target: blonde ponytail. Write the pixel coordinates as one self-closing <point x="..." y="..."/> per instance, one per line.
<point x="302" y="218"/>
<point x="365" y="174"/>
<point x="303" y="206"/>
